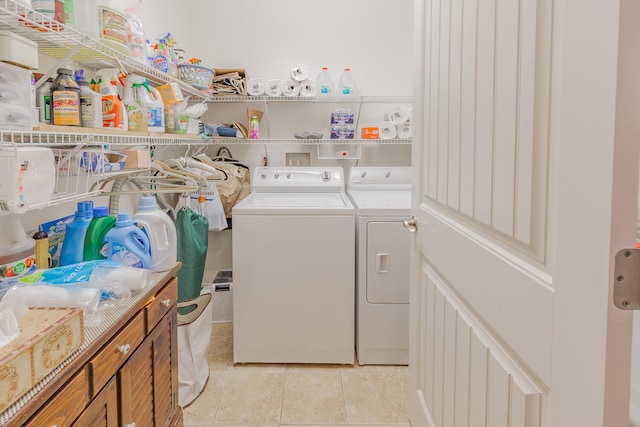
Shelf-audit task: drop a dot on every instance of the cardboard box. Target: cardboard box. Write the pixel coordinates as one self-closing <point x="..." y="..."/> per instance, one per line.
<point x="370" y="133"/>
<point x="49" y="336"/>
<point x="137" y="159"/>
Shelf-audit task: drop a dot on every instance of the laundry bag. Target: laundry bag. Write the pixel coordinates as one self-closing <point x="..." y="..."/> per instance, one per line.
<point x="194" y="336"/>
<point x="192" y="232"/>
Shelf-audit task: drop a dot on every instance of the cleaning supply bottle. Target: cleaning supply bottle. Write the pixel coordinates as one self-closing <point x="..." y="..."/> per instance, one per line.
<point x="161" y="230"/>
<point x="43" y="101"/>
<point x="95" y="241"/>
<point x="17" y="250"/>
<point x="347" y="83"/>
<point x="128" y="245"/>
<point x="324" y="83"/>
<point x="90" y="106"/>
<point x="65" y="99"/>
<point x="112" y="108"/>
<point x="254" y="125"/>
<point x="156" y="108"/>
<point x="137" y="111"/>
<point x="75" y="232"/>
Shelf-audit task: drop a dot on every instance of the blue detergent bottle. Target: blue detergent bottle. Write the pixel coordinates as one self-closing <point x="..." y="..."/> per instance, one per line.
<point x="75" y="232"/>
<point x="128" y="245"/>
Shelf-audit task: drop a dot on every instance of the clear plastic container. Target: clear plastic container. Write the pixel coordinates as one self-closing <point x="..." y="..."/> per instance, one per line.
<point x="82" y="15"/>
<point x="324" y="82"/>
<point x="347" y="83"/>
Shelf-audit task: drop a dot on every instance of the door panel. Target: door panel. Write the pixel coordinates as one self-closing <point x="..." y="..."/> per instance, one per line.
<point x="387" y="263"/>
<point x="525" y="181"/>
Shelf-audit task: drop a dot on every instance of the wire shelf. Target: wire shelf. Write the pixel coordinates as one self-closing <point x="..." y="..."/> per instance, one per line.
<point x="313" y="99"/>
<point x="57" y="40"/>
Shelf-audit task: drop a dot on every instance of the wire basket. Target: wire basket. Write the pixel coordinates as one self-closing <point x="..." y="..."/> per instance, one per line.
<point x="196" y="76"/>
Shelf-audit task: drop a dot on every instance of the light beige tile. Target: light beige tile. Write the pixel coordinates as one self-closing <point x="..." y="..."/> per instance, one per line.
<point x="251" y="397"/>
<point x="308" y="367"/>
<point x="313" y="397"/>
<point x="378" y="368"/>
<point x="220" y="355"/>
<point x="375" y="397"/>
<point x="222" y="329"/>
<point x="203" y="408"/>
<point x="313" y="425"/>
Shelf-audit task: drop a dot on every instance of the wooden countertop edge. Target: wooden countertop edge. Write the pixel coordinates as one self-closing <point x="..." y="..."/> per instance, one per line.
<point x="49" y="389"/>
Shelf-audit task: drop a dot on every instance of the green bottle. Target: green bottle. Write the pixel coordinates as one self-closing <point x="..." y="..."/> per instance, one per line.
<point x="95" y="241"/>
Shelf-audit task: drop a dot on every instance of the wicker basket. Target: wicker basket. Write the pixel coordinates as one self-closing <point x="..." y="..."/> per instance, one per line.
<point x="196" y="76"/>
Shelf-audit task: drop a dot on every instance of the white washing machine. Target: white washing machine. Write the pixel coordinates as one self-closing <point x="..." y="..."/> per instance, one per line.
<point x="382" y="199"/>
<point x="294" y="268"/>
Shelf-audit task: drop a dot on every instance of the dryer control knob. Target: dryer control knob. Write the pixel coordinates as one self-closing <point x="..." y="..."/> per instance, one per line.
<point x="276" y="176"/>
<point x="263" y="176"/>
<point x="326" y="176"/>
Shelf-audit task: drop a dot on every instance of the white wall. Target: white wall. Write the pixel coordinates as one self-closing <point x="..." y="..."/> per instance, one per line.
<point x="266" y="38"/>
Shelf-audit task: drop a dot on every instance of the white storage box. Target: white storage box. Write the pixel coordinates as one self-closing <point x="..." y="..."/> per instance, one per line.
<point x="27" y="177"/>
<point x="18" y="50"/>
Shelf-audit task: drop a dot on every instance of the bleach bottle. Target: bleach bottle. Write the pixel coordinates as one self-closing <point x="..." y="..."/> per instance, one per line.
<point x="161" y="230"/>
<point x="156" y="108"/>
<point x="73" y="244"/>
<point x="128" y="245"/>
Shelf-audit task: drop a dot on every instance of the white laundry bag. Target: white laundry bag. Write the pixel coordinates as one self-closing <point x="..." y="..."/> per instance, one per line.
<point x="194" y="336"/>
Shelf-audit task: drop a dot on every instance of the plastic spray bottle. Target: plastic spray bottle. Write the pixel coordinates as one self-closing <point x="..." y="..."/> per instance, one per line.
<point x="113" y="113"/>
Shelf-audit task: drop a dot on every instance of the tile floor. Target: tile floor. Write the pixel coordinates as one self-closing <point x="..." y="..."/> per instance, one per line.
<point x="295" y="395"/>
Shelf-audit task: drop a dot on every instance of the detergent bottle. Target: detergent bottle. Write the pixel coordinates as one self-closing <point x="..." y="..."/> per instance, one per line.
<point x="161" y="230"/>
<point x="112" y="108"/>
<point x="156" y="108"/>
<point x="75" y="232"/>
<point x="128" y="245"/>
<point x="95" y="240"/>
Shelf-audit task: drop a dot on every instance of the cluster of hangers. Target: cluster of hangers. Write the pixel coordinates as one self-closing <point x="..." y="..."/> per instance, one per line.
<point x="171" y="176"/>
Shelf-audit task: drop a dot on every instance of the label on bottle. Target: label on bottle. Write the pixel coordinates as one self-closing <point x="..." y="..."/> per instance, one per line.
<point x="112" y="25"/>
<point x="69" y="12"/>
<point x="110" y="111"/>
<point x="156" y="117"/>
<point x="170" y="119"/>
<point x="66" y="108"/>
<point x="136" y="118"/>
<point x="324" y="89"/>
<point x="86" y="108"/>
<point x="347" y="90"/>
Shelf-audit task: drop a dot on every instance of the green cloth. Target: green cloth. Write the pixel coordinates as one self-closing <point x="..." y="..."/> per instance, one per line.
<point x="192" y="231"/>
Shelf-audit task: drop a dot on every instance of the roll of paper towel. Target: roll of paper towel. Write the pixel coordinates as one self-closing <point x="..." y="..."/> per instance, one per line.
<point x="397" y="115"/>
<point x="255" y="87"/>
<point x="299" y="72"/>
<point x="273" y="87"/>
<point x="404" y="130"/>
<point x="290" y="88"/>
<point x="387" y="130"/>
<point x="308" y="88"/>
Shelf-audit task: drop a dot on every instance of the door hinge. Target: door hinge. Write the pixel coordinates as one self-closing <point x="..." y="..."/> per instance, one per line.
<point x="626" y="288"/>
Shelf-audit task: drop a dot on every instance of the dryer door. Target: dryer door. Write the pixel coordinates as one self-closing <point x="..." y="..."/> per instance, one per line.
<point x="387" y="263"/>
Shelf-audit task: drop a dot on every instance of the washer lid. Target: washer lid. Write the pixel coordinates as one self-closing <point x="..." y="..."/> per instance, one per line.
<point x="294" y="204"/>
<point x="381" y="202"/>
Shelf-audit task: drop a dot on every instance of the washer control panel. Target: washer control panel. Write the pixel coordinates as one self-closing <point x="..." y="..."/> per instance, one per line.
<point x="298" y="179"/>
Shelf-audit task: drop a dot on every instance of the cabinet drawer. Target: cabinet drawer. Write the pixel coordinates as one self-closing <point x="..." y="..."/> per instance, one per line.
<point x="68" y="403"/>
<point x="161" y="304"/>
<point x="107" y="361"/>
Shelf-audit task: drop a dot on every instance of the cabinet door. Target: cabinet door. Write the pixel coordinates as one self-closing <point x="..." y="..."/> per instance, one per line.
<point x="147" y="380"/>
<point x="103" y="410"/>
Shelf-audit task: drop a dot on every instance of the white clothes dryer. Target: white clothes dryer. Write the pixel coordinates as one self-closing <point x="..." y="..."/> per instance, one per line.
<point x="382" y="199"/>
<point x="294" y="268"/>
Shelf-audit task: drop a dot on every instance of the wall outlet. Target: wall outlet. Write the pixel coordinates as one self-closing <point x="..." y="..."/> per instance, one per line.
<point x="297" y="159"/>
<point x="342" y="154"/>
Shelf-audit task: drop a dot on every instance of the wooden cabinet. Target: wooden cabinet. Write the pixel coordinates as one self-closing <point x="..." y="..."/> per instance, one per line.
<point x="127" y="376"/>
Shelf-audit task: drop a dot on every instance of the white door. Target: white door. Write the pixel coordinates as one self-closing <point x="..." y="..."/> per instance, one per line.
<point x="527" y="126"/>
